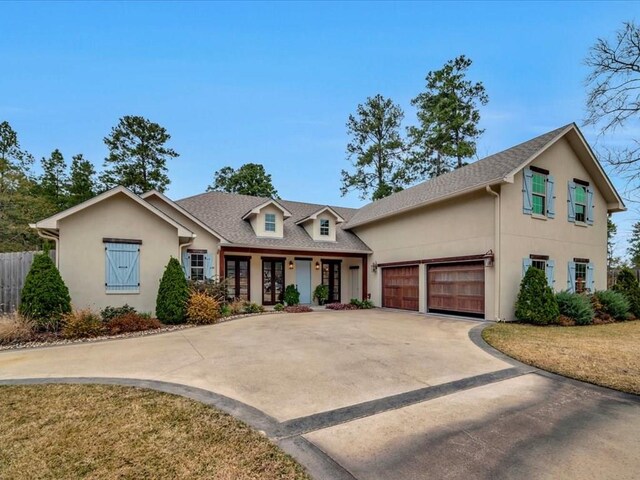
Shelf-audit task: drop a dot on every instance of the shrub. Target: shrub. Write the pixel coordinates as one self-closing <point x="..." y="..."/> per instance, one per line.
<point x="202" y="309"/>
<point x="291" y="295"/>
<point x="341" y="306"/>
<point x="215" y="288"/>
<point x="236" y="307"/>
<point x="278" y="307"/>
<point x="565" y="321"/>
<point x="225" y="311"/>
<point x="45" y="297"/>
<point x="297" y="309"/>
<point x="173" y="294"/>
<point x="536" y="302"/>
<point x="108" y="313"/>
<point x="610" y="303"/>
<point x="82" y="324"/>
<point x="575" y="306"/>
<point x="131" y="322"/>
<point x="321" y="294"/>
<point x="361" y="304"/>
<point x="15" y="328"/>
<point x="627" y="284"/>
<point x="250" y="307"/>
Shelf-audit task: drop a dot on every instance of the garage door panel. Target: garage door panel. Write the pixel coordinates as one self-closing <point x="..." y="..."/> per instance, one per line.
<point x="456" y="288"/>
<point x="400" y="287"/>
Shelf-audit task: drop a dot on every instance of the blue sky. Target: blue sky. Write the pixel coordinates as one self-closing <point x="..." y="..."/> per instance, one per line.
<point x="273" y="83"/>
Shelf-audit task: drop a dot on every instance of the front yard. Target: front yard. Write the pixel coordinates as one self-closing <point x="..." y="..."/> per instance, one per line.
<point x="109" y="432"/>
<point x="607" y="355"/>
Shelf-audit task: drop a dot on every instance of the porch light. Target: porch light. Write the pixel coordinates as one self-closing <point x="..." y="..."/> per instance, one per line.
<point x="317" y="265"/>
<point x="374" y="267"/>
<point x="488" y="259"/>
<point x="290" y="264"/>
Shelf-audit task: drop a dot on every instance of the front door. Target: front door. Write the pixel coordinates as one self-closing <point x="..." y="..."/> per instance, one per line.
<point x="272" y="280"/>
<point x="354" y="272"/>
<point x="331" y="278"/>
<point x="303" y="280"/>
<point x="237" y="274"/>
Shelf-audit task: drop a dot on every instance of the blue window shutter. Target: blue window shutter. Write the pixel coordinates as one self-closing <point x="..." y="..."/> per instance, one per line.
<point x="208" y="266"/>
<point x="122" y="266"/>
<point x="186" y="265"/>
<point x="526" y="263"/>
<point x="590" y="280"/>
<point x="527" y="192"/>
<point x="549" y="271"/>
<point x="589" y="206"/>
<point x="551" y="197"/>
<point x="571" y="277"/>
<point x="571" y="202"/>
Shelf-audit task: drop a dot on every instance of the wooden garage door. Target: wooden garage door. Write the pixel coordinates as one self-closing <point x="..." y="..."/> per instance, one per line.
<point x="400" y="287"/>
<point x="456" y="288"/>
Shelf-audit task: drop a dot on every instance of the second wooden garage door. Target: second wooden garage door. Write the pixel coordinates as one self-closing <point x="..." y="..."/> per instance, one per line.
<point x="400" y="287"/>
<point x="456" y="288"/>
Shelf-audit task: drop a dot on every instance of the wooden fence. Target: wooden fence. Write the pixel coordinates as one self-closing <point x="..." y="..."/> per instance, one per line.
<point x="14" y="267"/>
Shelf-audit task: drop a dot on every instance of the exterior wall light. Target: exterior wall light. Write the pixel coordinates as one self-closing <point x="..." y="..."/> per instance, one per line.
<point x="374" y="267"/>
<point x="317" y="265"/>
<point x="290" y="264"/>
<point x="488" y="259"/>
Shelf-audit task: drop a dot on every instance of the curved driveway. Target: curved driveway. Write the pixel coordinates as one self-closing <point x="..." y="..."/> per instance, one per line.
<point x="383" y="394"/>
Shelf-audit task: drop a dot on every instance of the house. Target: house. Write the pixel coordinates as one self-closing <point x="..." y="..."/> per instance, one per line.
<point x="456" y="244"/>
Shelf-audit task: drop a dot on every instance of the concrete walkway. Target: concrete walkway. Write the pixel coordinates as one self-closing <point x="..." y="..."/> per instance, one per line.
<point x="372" y="395"/>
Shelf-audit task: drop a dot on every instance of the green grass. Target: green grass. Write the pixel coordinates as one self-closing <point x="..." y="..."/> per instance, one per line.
<point x="112" y="432"/>
<point x="607" y="355"/>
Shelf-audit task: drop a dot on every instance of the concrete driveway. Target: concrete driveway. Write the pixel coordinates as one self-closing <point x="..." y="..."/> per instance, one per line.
<point x="372" y="395"/>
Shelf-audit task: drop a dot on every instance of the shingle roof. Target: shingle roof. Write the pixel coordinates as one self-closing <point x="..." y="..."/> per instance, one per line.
<point x="491" y="169"/>
<point x="223" y="213"/>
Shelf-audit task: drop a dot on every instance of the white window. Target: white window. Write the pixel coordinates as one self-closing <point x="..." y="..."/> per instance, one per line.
<point x="324" y="227"/>
<point x="197" y="266"/>
<point x="580" y="277"/>
<point x="270" y="222"/>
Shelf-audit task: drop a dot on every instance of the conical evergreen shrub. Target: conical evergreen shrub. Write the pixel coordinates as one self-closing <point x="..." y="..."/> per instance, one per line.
<point x="173" y="294"/>
<point x="45" y="297"/>
<point x="536" y="302"/>
<point x="627" y="284"/>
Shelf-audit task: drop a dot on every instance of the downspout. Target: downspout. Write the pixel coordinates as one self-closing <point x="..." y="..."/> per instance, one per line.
<point x="55" y="239"/>
<point x="496" y="253"/>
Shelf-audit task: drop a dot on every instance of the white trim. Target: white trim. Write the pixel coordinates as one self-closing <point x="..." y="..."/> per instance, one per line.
<point x="52" y="222"/>
<point x="256" y="210"/>
<point x="184" y="212"/>
<point x="314" y="215"/>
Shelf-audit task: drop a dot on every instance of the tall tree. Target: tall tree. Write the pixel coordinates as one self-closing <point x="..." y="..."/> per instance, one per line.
<point x="53" y="181"/>
<point x="376" y="149"/>
<point x="137" y="155"/>
<point x="82" y="183"/>
<point x="614" y="96"/>
<point x="612" y="230"/>
<point x="249" y="179"/>
<point x="12" y="158"/>
<point x="634" y="245"/>
<point x="448" y="117"/>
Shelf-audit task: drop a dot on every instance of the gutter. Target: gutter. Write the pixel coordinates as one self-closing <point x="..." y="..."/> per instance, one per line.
<point x="496" y="253"/>
<point x="49" y="236"/>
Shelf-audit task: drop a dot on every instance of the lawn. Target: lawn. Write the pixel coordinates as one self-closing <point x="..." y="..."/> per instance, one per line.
<point x="109" y="432"/>
<point x="607" y="355"/>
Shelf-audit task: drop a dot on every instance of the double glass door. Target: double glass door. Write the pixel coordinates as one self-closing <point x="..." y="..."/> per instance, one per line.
<point x="272" y="281"/>
<point x="331" y="278"/>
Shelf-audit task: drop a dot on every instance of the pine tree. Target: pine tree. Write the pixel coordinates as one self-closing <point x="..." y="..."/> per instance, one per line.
<point x="82" y="184"/>
<point x="53" y="181"/>
<point x="536" y="302"/>
<point x="634" y="245"/>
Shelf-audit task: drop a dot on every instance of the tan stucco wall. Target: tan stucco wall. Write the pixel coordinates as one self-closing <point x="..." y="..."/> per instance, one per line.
<point x="82" y="254"/>
<point x="203" y="241"/>
<point x="290" y="275"/>
<point x="463" y="226"/>
<point x="558" y="238"/>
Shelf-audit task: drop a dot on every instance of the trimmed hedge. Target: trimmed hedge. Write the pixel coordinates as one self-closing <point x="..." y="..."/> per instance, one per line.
<point x="45" y="297"/>
<point x="536" y="302"/>
<point x="173" y="294"/>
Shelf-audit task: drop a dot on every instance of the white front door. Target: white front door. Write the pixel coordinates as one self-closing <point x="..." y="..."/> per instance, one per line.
<point x="355" y="282"/>
<point x="303" y="280"/>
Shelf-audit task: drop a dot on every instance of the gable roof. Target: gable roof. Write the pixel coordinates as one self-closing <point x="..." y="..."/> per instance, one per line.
<point x="197" y="221"/>
<point x="315" y="214"/>
<point x="51" y="223"/>
<point x="270" y="201"/>
<point x="223" y="213"/>
<point x="497" y="168"/>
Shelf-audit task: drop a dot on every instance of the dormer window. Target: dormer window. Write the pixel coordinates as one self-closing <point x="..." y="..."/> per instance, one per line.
<point x="270" y="222"/>
<point x="324" y="227"/>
